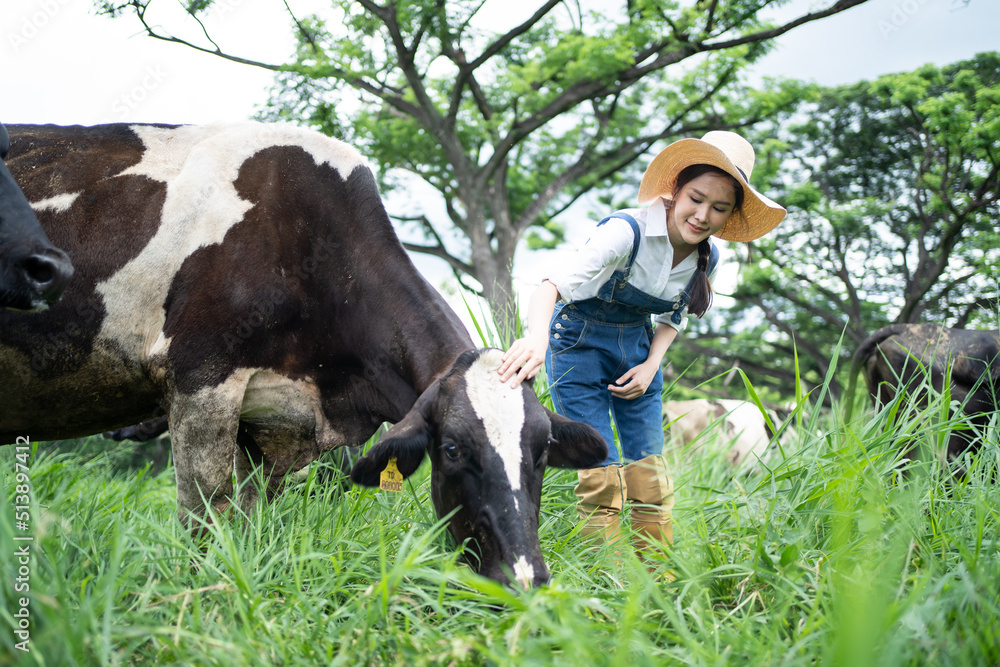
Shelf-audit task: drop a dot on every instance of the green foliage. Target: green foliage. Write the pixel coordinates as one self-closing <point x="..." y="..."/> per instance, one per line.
<point x="555" y="236"/>
<point x="194" y="7"/>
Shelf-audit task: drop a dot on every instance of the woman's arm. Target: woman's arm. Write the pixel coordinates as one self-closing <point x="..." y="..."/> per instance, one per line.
<point x="526" y="355"/>
<point x="637" y="379"/>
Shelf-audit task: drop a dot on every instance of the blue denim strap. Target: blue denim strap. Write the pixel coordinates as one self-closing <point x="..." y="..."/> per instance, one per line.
<point x="713" y="260"/>
<point x="635" y="243"/>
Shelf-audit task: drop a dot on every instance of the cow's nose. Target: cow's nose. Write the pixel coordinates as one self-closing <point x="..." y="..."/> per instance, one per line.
<point x="48" y="273"/>
<point x="531" y="576"/>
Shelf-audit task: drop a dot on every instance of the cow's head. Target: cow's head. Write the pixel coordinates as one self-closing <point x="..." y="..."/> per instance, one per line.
<point x="489" y="445"/>
<point x="33" y="272"/>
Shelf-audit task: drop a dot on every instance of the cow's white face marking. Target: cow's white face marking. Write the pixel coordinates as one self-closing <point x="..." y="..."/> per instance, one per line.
<point x="502" y="411"/>
<point x="56" y="204"/>
<point x="524" y="573"/>
<point x="199" y="164"/>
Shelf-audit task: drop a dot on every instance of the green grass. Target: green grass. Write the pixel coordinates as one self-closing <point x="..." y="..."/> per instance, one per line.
<point x="826" y="556"/>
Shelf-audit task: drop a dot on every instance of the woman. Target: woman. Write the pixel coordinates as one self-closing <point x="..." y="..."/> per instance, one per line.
<point x="589" y="322"/>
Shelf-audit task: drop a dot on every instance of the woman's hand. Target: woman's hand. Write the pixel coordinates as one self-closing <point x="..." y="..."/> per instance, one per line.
<point x="523" y="359"/>
<point x="526" y="355"/>
<point x="637" y="379"/>
<point x="634" y="383"/>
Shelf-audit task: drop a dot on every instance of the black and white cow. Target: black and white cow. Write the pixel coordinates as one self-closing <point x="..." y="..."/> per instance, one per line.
<point x="33" y="272"/>
<point x="245" y="279"/>
<point x="909" y="357"/>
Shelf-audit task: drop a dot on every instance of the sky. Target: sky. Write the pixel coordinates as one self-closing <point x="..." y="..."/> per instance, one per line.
<point x="63" y="64"/>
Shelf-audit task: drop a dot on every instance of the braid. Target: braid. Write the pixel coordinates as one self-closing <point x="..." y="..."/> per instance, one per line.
<point x="704" y="251"/>
<point x="701" y="292"/>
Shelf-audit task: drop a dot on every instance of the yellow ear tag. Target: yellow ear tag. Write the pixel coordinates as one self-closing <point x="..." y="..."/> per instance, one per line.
<point x="391" y="479"/>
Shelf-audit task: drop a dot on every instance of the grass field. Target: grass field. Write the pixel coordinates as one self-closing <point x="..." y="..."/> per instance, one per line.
<point x="827" y="556"/>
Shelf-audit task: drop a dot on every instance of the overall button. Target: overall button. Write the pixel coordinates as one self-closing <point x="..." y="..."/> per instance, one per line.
<point x="565" y="316"/>
<point x="556" y="336"/>
<point x="558" y="326"/>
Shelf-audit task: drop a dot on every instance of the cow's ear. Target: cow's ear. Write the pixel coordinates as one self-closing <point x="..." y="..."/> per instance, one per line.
<point x="406" y="442"/>
<point x="574" y="444"/>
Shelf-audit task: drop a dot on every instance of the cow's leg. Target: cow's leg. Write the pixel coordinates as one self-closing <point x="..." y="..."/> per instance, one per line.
<point x="271" y="452"/>
<point x="203" y="426"/>
<point x="280" y="431"/>
<point x="249" y="492"/>
<point x="250" y="460"/>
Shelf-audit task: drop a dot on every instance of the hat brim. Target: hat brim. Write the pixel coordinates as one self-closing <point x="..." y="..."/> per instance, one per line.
<point x="758" y="215"/>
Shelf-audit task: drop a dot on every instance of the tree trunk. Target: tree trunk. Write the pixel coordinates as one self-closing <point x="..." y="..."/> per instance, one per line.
<point x="494" y="274"/>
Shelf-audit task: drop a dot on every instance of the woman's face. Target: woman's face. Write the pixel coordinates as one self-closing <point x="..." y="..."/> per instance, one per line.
<point x="702" y="207"/>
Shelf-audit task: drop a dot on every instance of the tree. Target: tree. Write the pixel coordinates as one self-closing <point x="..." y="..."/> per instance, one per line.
<point x="893" y="191"/>
<point x="512" y="126"/>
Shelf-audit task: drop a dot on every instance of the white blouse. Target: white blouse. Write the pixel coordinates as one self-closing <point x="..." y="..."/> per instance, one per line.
<point x="608" y="250"/>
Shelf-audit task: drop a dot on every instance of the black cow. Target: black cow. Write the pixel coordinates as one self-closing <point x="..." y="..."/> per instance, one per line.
<point x="907" y="356"/>
<point x="245" y="280"/>
<point x="33" y="272"/>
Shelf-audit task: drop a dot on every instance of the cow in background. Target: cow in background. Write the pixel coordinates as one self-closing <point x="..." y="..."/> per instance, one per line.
<point x="245" y="280"/>
<point x="908" y="357"/>
<point x="33" y="272"/>
<point x="743" y="435"/>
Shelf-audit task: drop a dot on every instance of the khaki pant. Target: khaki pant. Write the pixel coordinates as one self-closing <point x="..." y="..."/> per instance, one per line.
<point x="602" y="493"/>
<point x="652" y="494"/>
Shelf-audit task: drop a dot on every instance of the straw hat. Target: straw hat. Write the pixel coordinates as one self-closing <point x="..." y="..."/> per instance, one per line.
<point x="734" y="155"/>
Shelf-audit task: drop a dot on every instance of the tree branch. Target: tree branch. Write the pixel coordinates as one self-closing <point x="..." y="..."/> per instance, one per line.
<point x="765" y="35"/>
<point x="627" y="77"/>
<point x="749" y="366"/>
<point x="424" y="110"/>
<point x="438" y="250"/>
<point x="504" y="40"/>
<point x="306" y="35"/>
<point x="808" y="347"/>
<point x="610" y="162"/>
<point x="140" y="12"/>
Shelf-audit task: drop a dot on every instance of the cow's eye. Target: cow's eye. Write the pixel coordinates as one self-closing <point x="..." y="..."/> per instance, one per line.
<point x="543" y="455"/>
<point x="542" y="459"/>
<point x="450" y="450"/>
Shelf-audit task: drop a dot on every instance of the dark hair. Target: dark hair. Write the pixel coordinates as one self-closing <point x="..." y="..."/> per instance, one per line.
<point x="701" y="291"/>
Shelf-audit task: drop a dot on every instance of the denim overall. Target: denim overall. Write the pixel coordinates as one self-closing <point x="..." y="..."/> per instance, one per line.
<point x="593" y="342"/>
